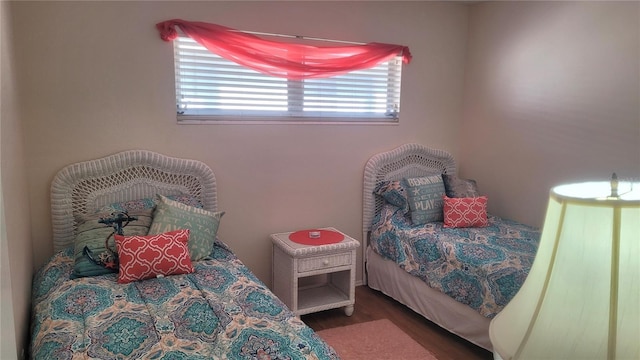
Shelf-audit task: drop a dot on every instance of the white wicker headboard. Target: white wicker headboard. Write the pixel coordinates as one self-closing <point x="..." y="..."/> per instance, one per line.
<point x="84" y="187"/>
<point x="409" y="160"/>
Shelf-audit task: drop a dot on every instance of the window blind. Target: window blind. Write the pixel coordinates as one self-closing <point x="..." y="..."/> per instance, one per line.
<point x="209" y="87"/>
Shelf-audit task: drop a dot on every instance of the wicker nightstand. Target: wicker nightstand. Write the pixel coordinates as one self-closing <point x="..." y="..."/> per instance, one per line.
<point x="311" y="278"/>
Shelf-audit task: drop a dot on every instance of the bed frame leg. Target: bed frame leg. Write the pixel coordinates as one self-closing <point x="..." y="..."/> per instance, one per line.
<point x="348" y="310"/>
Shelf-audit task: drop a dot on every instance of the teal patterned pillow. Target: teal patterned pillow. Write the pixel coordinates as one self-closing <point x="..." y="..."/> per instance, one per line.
<point x="425" y="198"/>
<point x="173" y="215"/>
<point x="92" y="234"/>
<point x="393" y="193"/>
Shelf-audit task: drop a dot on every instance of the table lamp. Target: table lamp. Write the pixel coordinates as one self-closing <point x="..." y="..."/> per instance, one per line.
<point x="581" y="299"/>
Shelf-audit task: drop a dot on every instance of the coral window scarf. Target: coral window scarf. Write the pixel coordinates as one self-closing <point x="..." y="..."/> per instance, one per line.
<point x="292" y="61"/>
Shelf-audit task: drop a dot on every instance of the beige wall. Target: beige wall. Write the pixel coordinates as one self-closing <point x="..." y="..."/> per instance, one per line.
<point x="16" y="260"/>
<point x="96" y="79"/>
<point x="552" y="95"/>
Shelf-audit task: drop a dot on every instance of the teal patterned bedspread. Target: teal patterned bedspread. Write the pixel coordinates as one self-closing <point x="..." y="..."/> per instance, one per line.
<point x="480" y="267"/>
<point x="221" y="311"/>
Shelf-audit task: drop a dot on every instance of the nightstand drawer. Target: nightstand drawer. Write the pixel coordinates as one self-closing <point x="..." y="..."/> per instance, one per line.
<point x="323" y="262"/>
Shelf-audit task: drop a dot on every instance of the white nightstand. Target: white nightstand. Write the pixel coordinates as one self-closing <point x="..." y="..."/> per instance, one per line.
<point x="311" y="278"/>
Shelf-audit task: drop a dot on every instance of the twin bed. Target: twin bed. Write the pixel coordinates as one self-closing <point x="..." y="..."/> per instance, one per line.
<point x="219" y="310"/>
<point x="457" y="277"/>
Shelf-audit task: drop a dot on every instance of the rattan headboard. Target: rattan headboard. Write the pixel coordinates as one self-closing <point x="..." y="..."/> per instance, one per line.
<point x="409" y="160"/>
<point x="84" y="187"/>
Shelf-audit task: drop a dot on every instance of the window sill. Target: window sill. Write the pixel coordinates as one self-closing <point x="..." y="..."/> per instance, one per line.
<point x="214" y="120"/>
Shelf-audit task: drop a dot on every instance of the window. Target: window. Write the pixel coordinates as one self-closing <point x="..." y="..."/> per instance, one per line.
<point x="210" y="88"/>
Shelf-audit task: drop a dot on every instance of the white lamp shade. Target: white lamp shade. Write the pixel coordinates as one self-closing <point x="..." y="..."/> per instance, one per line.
<point x="581" y="299"/>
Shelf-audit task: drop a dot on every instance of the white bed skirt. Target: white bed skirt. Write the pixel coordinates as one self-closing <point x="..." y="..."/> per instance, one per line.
<point x="386" y="276"/>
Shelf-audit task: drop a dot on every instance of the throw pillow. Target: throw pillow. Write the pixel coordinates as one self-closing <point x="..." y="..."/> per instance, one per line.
<point x="465" y="212"/>
<point x="425" y="198"/>
<point x="393" y="193"/>
<point x="91" y="255"/>
<point x="173" y="215"/>
<point x="459" y="188"/>
<point x="144" y="257"/>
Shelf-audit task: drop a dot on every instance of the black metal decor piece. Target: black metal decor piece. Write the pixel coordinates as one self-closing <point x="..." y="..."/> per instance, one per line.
<point x="116" y="219"/>
<point x="109" y="257"/>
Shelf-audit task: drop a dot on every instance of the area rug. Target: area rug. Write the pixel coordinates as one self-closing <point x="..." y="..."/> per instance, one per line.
<point x="379" y="339"/>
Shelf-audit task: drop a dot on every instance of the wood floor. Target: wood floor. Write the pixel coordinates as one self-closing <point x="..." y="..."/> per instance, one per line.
<point x="374" y="305"/>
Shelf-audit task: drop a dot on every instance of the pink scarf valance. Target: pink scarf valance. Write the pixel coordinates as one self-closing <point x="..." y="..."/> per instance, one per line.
<point x="292" y="61"/>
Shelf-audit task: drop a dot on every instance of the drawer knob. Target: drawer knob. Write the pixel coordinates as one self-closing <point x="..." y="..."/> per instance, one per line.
<point x="325" y="262"/>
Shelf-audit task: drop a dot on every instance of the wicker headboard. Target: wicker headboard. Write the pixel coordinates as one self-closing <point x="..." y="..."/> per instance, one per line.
<point x="84" y="187"/>
<point x="409" y="160"/>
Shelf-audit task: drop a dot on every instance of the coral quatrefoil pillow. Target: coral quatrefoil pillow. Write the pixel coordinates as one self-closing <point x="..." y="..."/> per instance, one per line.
<point x="144" y="257"/>
<point x="465" y="212"/>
